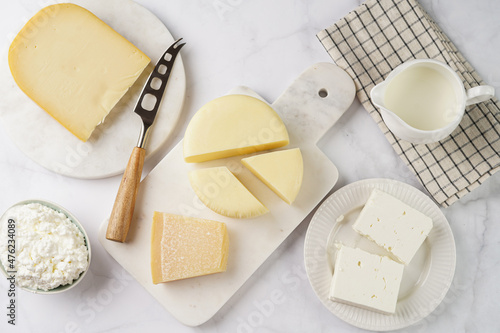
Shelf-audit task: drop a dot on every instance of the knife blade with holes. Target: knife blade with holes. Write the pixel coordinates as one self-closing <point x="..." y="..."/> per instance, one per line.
<point x="147" y="107"/>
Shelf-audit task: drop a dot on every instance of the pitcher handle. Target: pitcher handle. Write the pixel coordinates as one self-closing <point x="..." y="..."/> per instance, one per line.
<point x="479" y="94"/>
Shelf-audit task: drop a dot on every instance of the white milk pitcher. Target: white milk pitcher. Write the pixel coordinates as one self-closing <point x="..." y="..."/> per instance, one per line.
<point x="423" y="100"/>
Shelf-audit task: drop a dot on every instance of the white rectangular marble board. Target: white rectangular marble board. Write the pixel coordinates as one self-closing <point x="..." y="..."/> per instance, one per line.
<point x="309" y="107"/>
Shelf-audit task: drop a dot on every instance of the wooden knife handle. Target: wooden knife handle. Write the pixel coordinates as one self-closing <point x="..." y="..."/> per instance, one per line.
<point x="123" y="208"/>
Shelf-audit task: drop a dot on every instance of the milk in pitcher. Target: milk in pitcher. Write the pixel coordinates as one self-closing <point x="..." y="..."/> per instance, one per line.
<point x="422" y="97"/>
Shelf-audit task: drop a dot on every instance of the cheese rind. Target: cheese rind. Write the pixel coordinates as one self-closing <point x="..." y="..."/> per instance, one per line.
<point x="366" y="280"/>
<point x="233" y="125"/>
<point x="184" y="247"/>
<point x="223" y="193"/>
<point x="394" y="225"/>
<point x="74" y="66"/>
<point x="281" y="171"/>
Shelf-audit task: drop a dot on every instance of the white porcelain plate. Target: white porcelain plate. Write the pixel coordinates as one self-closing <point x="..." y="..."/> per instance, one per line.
<point x="426" y="279"/>
<point x="107" y="151"/>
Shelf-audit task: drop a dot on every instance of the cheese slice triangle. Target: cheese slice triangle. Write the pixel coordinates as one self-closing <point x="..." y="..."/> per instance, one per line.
<point x="223" y="193"/>
<point x="233" y="125"/>
<point x="281" y="171"/>
<point x="74" y="66"/>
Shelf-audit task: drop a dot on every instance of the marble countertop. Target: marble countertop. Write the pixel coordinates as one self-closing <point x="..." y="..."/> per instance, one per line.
<point x="265" y="46"/>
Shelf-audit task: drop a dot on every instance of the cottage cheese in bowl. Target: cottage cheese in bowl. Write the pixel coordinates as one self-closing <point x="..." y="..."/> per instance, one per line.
<point x="52" y="252"/>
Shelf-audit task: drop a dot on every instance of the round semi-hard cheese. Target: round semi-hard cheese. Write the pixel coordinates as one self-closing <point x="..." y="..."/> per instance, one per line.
<point x="223" y="193"/>
<point x="281" y="171"/>
<point x="233" y="125"/>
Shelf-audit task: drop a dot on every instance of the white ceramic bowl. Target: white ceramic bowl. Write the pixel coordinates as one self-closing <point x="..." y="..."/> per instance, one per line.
<point x="73" y="219"/>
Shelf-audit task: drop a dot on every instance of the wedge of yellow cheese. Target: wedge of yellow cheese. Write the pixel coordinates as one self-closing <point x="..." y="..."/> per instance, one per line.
<point x="223" y="193"/>
<point x="281" y="171"/>
<point x="184" y="247"/>
<point x="74" y="66"/>
<point x="233" y="125"/>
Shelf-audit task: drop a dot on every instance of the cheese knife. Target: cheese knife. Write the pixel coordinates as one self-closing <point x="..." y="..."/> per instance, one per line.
<point x="146" y="107"/>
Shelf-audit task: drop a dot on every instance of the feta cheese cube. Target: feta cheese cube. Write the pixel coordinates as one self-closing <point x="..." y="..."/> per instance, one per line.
<point x="392" y="224"/>
<point x="366" y="280"/>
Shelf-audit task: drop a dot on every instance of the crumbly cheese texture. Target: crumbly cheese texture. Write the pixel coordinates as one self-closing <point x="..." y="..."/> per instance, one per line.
<point x="366" y="280"/>
<point x="220" y="190"/>
<point x="50" y="249"/>
<point x="233" y="125"/>
<point x="281" y="171"/>
<point x="74" y="66"/>
<point x="184" y="247"/>
<point x="394" y="225"/>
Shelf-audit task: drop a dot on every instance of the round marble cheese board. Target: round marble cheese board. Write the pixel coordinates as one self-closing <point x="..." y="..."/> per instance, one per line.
<point x="107" y="151"/>
<point x="426" y="279"/>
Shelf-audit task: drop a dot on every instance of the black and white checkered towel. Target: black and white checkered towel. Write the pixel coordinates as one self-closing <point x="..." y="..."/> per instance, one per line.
<point x="381" y="34"/>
